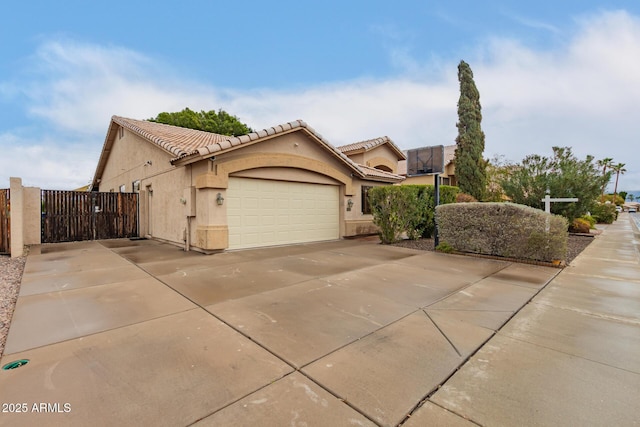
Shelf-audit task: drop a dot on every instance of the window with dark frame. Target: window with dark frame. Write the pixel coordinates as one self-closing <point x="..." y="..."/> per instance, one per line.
<point x="366" y="208"/>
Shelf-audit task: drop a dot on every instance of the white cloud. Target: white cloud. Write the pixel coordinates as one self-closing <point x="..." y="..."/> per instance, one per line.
<point x="535" y="24"/>
<point x="582" y="93"/>
<point x="86" y="84"/>
<point x="46" y="162"/>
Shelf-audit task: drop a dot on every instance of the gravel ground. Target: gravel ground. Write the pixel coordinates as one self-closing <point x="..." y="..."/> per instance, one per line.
<point x="575" y="245"/>
<point x="11" y="275"/>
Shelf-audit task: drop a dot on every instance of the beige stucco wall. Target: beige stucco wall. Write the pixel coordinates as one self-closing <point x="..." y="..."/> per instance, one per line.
<point x="381" y="155"/>
<point x="449" y="172"/>
<point x="424" y="179"/>
<point x="17" y="217"/>
<point x="132" y="158"/>
<point x="295" y="143"/>
<point x="168" y="219"/>
<point x="25" y="216"/>
<point x="128" y="159"/>
<point x="357" y="158"/>
<point x="32" y="200"/>
<point x="356" y="222"/>
<point x="287" y="174"/>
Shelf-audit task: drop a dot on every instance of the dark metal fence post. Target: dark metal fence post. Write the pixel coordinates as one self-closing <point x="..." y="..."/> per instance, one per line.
<point x="436" y="196"/>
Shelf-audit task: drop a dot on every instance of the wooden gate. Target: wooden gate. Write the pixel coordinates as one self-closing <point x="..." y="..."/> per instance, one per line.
<point x="69" y="216"/>
<point x="5" y="227"/>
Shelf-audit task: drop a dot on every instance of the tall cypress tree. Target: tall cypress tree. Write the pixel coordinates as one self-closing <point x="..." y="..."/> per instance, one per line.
<point x="470" y="165"/>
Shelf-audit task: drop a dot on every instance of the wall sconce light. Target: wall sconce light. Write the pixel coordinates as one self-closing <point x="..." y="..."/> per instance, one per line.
<point x="148" y="163"/>
<point x="183" y="201"/>
<point x="219" y="199"/>
<point x="349" y="204"/>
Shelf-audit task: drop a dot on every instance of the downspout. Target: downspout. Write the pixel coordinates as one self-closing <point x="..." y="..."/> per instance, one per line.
<point x="187" y="240"/>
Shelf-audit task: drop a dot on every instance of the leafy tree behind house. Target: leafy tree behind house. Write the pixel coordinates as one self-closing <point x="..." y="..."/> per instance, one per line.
<point x="469" y="163"/>
<point x="563" y="174"/>
<point x="497" y="170"/>
<point x="219" y="122"/>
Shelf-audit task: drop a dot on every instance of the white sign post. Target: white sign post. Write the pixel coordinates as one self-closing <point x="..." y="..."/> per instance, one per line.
<point x="548" y="200"/>
<point x="547" y="205"/>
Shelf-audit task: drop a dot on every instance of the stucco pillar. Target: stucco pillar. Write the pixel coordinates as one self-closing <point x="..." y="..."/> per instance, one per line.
<point x="212" y="232"/>
<point x="32" y="215"/>
<point x="17" y="217"/>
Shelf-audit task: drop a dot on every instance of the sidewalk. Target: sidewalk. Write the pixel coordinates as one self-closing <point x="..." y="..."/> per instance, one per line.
<point x="570" y="357"/>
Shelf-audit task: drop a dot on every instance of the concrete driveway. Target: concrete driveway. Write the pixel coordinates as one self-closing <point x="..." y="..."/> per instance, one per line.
<point x="340" y="333"/>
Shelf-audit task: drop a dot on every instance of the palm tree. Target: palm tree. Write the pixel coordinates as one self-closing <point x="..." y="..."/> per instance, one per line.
<point x="631" y="197"/>
<point x="605" y="163"/>
<point x="619" y="170"/>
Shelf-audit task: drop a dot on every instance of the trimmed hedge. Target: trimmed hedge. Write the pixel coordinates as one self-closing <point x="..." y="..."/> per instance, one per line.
<point x="503" y="229"/>
<point x="426" y="224"/>
<point x="407" y="209"/>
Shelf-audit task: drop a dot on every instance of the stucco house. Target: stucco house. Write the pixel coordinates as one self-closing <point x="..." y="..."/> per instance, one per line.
<point x="281" y="185"/>
<point x="446" y="178"/>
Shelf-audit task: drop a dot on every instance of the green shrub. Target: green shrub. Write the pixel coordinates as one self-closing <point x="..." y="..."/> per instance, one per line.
<point x="591" y="220"/>
<point x="394" y="209"/>
<point x="444" y="247"/>
<point x="426" y="193"/>
<point x="604" y="213"/>
<point x="407" y="209"/>
<point x="580" y="225"/>
<point x="503" y="229"/>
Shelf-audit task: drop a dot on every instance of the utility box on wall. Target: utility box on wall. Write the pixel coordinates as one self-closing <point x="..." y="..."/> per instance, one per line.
<point x="189" y="196"/>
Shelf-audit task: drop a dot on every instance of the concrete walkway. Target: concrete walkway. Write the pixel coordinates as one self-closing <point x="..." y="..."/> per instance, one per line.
<point x="570" y="357"/>
<point x="337" y="333"/>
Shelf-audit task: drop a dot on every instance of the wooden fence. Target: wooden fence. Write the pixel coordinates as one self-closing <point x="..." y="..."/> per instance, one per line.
<point x="5" y="228"/>
<point x="69" y="216"/>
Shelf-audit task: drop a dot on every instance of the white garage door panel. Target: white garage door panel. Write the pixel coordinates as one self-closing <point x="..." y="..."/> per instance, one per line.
<point x="266" y="213"/>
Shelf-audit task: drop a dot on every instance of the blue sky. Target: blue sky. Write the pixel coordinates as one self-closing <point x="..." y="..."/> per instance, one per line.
<point x="549" y="73"/>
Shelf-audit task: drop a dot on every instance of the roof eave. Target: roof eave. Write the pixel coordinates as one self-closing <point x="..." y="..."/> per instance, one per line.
<point x="388" y="179"/>
<point x="255" y="137"/>
<point x="104" y="154"/>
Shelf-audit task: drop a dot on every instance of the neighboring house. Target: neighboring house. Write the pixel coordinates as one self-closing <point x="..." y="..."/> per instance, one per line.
<point x="210" y="192"/>
<point x="84" y="188"/>
<point x="446" y="178"/>
<point x="631" y="205"/>
<point x="378" y="153"/>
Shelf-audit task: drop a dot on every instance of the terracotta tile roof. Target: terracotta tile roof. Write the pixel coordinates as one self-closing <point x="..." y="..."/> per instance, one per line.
<point x="370" y="144"/>
<point x="232" y="143"/>
<point x="176" y="140"/>
<point x="380" y="175"/>
<point x="449" y="156"/>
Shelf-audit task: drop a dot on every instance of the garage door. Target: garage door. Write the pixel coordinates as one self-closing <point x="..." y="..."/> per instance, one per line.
<point x="265" y="213"/>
